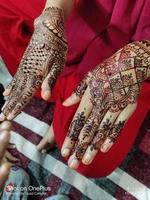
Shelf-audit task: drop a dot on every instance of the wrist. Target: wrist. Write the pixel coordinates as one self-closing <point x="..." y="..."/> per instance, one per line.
<point x="66" y="7"/>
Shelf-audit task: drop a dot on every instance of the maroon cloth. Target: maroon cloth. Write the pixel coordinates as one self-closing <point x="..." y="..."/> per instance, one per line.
<point x="95" y="30"/>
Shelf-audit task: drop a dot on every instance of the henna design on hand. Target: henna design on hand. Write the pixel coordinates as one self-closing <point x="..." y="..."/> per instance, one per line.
<point x="123" y="85"/>
<point x="113" y="85"/>
<point x="88" y="133"/>
<point x="76" y="126"/>
<point x="45" y="55"/>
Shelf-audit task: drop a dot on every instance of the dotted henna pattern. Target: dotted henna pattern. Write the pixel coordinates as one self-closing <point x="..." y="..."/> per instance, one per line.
<point x="45" y="55"/>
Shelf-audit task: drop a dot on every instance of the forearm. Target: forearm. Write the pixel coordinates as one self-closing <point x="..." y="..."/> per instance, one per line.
<point x="65" y="5"/>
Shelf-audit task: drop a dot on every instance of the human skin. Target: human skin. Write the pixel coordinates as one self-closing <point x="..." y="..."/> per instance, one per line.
<point x="43" y="60"/>
<point x="108" y="96"/>
<point x="5" y="128"/>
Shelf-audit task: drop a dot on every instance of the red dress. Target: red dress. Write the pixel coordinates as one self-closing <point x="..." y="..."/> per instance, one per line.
<point x="95" y="30"/>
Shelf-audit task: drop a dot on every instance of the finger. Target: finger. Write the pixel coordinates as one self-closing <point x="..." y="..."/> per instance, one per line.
<point x="86" y="135"/>
<point x="77" y="123"/>
<point x="77" y="94"/>
<point x="6" y="125"/>
<point x="4" y="140"/>
<point x="118" y="126"/>
<point x="10" y="157"/>
<point x="103" y="130"/>
<point x="46" y="90"/>
<point x="9" y="87"/>
<point x="12" y="99"/>
<point x="4" y="172"/>
<point x="43" y="145"/>
<point x="81" y="145"/>
<point x="47" y="142"/>
<point x="50" y="80"/>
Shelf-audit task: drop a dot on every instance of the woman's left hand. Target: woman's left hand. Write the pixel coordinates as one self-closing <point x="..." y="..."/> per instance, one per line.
<point x="108" y="97"/>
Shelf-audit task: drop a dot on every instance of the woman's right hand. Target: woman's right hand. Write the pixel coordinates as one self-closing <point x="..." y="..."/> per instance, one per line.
<point x="41" y="64"/>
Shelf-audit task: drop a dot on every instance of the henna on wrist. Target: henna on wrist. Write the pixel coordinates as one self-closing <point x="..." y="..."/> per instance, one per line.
<point x="45" y="55"/>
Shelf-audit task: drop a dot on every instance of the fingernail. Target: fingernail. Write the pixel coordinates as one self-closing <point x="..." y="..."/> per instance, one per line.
<point x="43" y="151"/>
<point x="47" y="93"/>
<point x="2" y="117"/>
<point x="10" y="116"/>
<point x="74" y="163"/>
<point x="65" y="152"/>
<point x="66" y="102"/>
<point x="6" y="92"/>
<point x="87" y="159"/>
<point x="106" y="147"/>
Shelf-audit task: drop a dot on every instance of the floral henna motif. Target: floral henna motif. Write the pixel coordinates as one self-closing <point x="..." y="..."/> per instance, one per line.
<point x="81" y="88"/>
<point x="113" y="85"/>
<point x="76" y="126"/>
<point x="115" y="88"/>
<point x="101" y="134"/>
<point x="88" y="132"/>
<point x="116" y="130"/>
<point x="79" y="149"/>
<point x="45" y="54"/>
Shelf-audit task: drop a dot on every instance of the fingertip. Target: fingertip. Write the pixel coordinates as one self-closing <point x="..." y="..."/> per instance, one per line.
<point x="73" y="99"/>
<point x="66" y="102"/>
<point x="46" y="94"/>
<point x="73" y="163"/>
<point x="2" y="117"/>
<point x="41" y="145"/>
<point x="43" y="151"/>
<point x="65" y="152"/>
<point x="6" y="92"/>
<point x="6" y="125"/>
<point x="106" y="145"/>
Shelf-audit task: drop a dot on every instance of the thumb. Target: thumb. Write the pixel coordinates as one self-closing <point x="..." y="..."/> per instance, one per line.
<point x="46" y="90"/>
<point x="77" y="94"/>
<point x="47" y="141"/>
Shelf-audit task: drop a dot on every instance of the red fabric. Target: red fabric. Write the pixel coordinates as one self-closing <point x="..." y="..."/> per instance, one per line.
<point x="95" y="30"/>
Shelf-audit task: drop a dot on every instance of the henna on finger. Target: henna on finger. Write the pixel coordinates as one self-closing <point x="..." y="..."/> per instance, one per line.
<point x="116" y="130"/>
<point x="76" y="126"/>
<point x="46" y="47"/>
<point x="86" y="135"/>
<point x="101" y="134"/>
<point x="81" y="88"/>
<point x="115" y="84"/>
